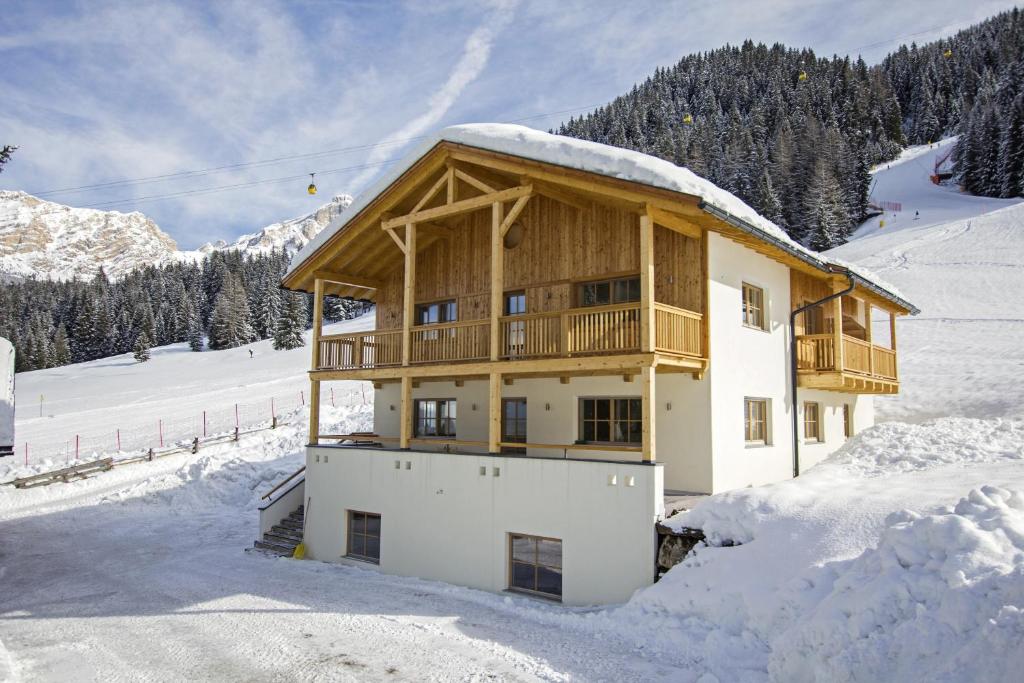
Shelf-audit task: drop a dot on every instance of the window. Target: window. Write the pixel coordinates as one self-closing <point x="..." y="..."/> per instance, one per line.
<point x="814" y="319"/>
<point x="513" y="423"/>
<point x="605" y="292"/>
<point x="611" y="420"/>
<point x="515" y="303"/>
<point x="364" y="536"/>
<point x="437" y="312"/>
<point x="753" y="306"/>
<point x="847" y="421"/>
<point x="755" y="420"/>
<point x="515" y="342"/>
<point x="812" y="422"/>
<point x="535" y="565"/>
<point x="434" y="417"/>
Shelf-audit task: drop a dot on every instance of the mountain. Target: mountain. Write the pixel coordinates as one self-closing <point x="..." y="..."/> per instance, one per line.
<point x="793" y="134"/>
<point x="290" y="235"/>
<point x="53" y="241"/>
<point x="50" y="240"/>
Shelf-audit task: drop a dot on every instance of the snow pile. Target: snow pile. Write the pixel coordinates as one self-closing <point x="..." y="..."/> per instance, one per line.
<point x="890" y="448"/>
<point x="816" y="589"/>
<point x="940" y="598"/>
<point x="582" y="155"/>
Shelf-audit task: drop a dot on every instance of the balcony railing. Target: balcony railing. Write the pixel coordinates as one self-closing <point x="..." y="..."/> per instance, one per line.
<point x="816" y="353"/>
<point x="573" y="332"/>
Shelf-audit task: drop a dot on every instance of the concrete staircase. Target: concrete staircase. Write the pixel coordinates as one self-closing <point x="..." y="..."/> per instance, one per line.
<point x="283" y="536"/>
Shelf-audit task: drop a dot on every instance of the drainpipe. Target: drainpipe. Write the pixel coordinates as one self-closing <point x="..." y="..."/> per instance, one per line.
<point x="793" y="376"/>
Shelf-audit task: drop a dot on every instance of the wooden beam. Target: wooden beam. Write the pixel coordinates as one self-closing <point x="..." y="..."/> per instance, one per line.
<point x="459" y="207"/>
<point x="494" y="413"/>
<point x="475" y="182"/>
<point x="497" y="277"/>
<point x="577" y="201"/>
<point x="318" y="320"/>
<point x="513" y="214"/>
<point x="408" y="292"/>
<point x="314" y="412"/>
<point x="648" y="406"/>
<point x="398" y="241"/>
<point x="837" y="332"/>
<point x="892" y="343"/>
<point x="674" y="222"/>
<point x="564" y="379"/>
<point x="432" y="192"/>
<point x="450" y="175"/>
<point x="647" y="314"/>
<point x="556" y="367"/>
<point x="405" y="400"/>
<point x="347" y="279"/>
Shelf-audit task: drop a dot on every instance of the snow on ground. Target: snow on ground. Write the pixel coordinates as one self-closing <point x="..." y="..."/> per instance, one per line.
<point x="94" y="399"/>
<point x="899" y="558"/>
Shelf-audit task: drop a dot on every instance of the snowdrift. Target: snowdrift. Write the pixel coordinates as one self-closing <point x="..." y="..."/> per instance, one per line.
<point x="866" y="568"/>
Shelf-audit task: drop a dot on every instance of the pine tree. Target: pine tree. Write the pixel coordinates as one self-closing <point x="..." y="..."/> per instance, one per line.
<point x="268" y="311"/>
<point x="61" y="348"/>
<point x="141" y="349"/>
<point x="1011" y="150"/>
<point x="229" y="322"/>
<point x="291" y="323"/>
<point x="825" y="211"/>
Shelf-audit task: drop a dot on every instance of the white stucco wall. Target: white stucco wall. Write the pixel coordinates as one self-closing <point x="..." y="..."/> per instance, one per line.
<point x="447" y="516"/>
<point x="682" y="423"/>
<point x="831" y="402"/>
<point x="747" y="362"/>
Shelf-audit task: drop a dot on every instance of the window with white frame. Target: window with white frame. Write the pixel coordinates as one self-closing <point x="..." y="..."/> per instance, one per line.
<point x="755" y="421"/>
<point x="753" y="307"/>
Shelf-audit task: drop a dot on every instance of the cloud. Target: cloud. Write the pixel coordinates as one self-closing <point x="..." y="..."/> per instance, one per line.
<point x="475" y="54"/>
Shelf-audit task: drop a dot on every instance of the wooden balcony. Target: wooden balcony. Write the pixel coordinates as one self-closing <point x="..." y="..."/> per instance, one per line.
<point x="588" y="331"/>
<point x="865" y="368"/>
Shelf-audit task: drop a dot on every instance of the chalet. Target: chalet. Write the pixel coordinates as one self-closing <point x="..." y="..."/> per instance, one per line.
<point x="565" y="333"/>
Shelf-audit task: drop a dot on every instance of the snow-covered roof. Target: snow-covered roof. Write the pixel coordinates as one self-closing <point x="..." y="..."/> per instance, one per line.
<point x="593" y="157"/>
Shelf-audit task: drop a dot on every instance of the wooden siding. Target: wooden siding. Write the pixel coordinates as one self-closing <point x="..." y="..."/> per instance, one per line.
<point x="561" y="245"/>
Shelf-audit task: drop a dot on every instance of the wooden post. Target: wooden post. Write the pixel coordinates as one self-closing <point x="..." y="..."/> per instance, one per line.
<point x="647" y="320"/>
<point x="318" y="319"/>
<point x="648" y="405"/>
<point x="314" y="412"/>
<point x="494" y="413"/>
<point x="892" y="343"/>
<point x="408" y="294"/>
<point x="405" y="430"/>
<point x="837" y="333"/>
<point x="497" y="277"/>
<point x="867" y="338"/>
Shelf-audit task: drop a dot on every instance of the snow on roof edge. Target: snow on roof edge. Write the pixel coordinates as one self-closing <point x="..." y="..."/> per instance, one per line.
<point x="592" y="157"/>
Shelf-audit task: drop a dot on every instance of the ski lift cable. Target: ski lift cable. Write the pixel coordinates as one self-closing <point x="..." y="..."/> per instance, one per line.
<point x="272" y="161"/>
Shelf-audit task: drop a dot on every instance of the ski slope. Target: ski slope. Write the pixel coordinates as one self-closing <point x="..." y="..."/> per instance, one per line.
<point x="962" y="262"/>
<point x="92" y="400"/>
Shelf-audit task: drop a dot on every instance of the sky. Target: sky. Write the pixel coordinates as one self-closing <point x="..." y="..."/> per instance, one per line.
<point x="98" y="93"/>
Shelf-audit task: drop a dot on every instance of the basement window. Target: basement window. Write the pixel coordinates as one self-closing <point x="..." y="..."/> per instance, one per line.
<point x="535" y="565"/>
<point x="363" y="536"/>
<point x="812" y="422"/>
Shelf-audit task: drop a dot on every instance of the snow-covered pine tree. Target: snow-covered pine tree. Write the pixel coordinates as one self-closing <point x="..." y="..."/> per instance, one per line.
<point x="141" y="349"/>
<point x="229" y="321"/>
<point x="291" y="322"/>
<point x="268" y="310"/>
<point x="61" y="348"/>
<point x="825" y="211"/>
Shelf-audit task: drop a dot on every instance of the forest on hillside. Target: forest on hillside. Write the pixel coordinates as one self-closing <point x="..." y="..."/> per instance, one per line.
<point x="224" y="301"/>
<point x="795" y="135"/>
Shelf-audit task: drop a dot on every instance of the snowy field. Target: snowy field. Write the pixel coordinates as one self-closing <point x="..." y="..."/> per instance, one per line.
<point x="900" y="558"/>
